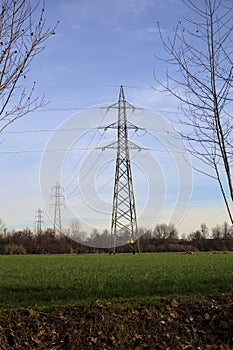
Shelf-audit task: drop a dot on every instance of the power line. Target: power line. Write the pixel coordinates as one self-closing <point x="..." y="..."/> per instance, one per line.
<point x="62" y="109"/>
<point x="84" y="153"/>
<point x="99" y="189"/>
<point x="47" y="150"/>
<point x="83" y="176"/>
<point x="41" y="130"/>
<point x="93" y="195"/>
<point x="88" y="185"/>
<point x="83" y="149"/>
<point x="82" y="156"/>
<point x="63" y="129"/>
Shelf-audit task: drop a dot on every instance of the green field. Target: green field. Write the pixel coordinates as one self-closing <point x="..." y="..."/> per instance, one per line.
<point x="49" y="280"/>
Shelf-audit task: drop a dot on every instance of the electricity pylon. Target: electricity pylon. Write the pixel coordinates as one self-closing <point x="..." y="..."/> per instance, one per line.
<point x="124" y="219"/>
<point x="58" y="202"/>
<point x="39" y="221"/>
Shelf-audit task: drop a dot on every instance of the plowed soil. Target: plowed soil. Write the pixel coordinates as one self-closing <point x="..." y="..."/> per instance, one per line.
<point x="176" y="324"/>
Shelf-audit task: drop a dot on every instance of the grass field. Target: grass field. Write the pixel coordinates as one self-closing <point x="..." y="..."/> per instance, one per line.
<point x="44" y="280"/>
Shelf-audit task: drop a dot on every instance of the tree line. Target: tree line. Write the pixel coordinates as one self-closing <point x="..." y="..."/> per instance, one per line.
<point x="163" y="238"/>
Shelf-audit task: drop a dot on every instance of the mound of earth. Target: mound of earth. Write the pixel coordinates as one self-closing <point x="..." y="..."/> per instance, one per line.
<point x="177" y="324"/>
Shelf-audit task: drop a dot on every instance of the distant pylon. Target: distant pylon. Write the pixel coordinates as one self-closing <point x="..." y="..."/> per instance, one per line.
<point x="39" y="221"/>
<point x="58" y="202"/>
<point x="124" y="220"/>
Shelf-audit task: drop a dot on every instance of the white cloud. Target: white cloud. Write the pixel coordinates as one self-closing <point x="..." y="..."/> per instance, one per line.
<point x="154" y="29"/>
<point x="117" y="7"/>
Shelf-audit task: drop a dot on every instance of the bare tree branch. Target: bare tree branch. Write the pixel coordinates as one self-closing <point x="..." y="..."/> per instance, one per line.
<point x="200" y="51"/>
<point x="22" y="38"/>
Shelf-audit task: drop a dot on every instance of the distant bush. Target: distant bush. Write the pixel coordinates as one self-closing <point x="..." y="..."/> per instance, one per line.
<point x="15" y="249"/>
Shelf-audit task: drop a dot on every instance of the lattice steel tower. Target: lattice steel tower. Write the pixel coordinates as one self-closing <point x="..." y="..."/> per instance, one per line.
<point x="124" y="220"/>
<point x="39" y="221"/>
<point x="58" y="202"/>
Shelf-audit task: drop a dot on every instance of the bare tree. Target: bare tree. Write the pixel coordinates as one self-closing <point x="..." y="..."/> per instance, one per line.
<point x="2" y="225"/>
<point x="165" y="231"/>
<point x="75" y="231"/>
<point x="204" y="230"/>
<point x="226" y="230"/>
<point x="200" y="74"/>
<point x="22" y="38"/>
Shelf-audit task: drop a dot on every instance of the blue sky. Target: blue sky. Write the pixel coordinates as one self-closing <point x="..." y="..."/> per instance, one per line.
<point x="98" y="46"/>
